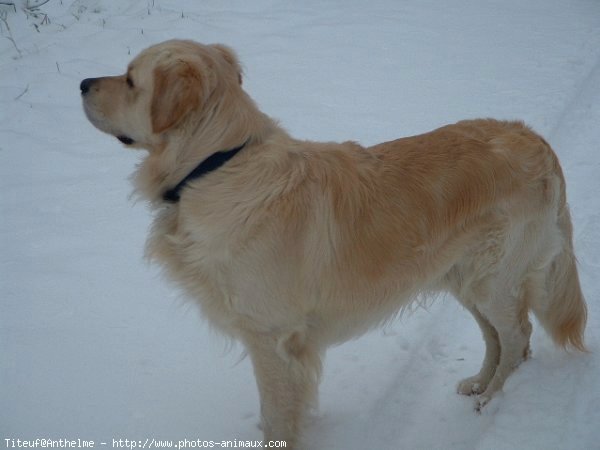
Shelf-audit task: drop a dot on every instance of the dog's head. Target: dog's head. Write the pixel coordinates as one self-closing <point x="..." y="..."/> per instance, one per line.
<point x="164" y="87"/>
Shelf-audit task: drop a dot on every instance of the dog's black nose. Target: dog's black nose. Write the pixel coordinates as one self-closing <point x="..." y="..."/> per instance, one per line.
<point x="86" y="85"/>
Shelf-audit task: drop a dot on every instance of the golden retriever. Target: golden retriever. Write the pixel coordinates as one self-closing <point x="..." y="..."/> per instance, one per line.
<point x="291" y="246"/>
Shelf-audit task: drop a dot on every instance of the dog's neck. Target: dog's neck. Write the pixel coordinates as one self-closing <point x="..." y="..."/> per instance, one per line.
<point x="185" y="147"/>
<point x="210" y="164"/>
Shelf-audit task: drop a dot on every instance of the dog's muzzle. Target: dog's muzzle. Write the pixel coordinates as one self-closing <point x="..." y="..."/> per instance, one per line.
<point x="85" y="87"/>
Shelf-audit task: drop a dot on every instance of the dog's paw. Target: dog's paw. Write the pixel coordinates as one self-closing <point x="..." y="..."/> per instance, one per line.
<point x="471" y="386"/>
<point x="488" y="403"/>
<point x="480" y="402"/>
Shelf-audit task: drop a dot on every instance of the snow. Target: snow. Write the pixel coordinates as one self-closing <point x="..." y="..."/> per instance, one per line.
<point x="96" y="345"/>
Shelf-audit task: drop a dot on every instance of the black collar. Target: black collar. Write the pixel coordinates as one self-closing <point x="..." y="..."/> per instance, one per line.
<point x="213" y="162"/>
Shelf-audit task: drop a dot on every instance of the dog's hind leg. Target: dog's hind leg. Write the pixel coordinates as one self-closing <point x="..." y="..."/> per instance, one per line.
<point x="489" y="282"/>
<point x="478" y="383"/>
<point x="507" y="313"/>
<point x="287" y="369"/>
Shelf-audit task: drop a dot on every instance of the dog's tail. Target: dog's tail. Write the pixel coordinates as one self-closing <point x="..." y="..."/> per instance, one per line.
<point x="561" y="308"/>
<point x="566" y="313"/>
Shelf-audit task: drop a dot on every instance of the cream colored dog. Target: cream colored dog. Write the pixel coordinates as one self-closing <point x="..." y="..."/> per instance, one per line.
<point x="291" y="246"/>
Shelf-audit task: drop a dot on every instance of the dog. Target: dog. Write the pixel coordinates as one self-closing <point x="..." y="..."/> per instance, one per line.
<point x="291" y="246"/>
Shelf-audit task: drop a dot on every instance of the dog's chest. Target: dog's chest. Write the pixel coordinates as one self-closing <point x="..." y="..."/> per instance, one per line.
<point x="218" y="267"/>
<point x="192" y="255"/>
<point x="222" y="257"/>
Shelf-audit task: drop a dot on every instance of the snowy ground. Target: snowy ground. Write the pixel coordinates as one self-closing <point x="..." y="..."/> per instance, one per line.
<point x="95" y="345"/>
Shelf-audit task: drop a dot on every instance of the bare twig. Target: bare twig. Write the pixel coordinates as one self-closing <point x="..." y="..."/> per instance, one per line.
<point x="9" y="37"/>
<point x="33" y="4"/>
<point x="25" y="91"/>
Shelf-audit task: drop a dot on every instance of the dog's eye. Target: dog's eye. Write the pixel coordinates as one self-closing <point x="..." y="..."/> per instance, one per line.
<point x="129" y="82"/>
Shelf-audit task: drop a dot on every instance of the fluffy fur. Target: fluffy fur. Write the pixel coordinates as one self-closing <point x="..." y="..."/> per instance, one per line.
<point x="294" y="245"/>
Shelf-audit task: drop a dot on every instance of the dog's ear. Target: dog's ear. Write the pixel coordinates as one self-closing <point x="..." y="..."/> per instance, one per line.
<point x="230" y="57"/>
<point x="177" y="90"/>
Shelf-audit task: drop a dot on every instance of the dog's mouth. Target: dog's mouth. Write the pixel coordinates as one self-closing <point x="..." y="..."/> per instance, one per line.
<point x="125" y="140"/>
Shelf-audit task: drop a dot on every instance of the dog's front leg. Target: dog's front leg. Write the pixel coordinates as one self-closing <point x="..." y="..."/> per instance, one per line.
<point x="287" y="369"/>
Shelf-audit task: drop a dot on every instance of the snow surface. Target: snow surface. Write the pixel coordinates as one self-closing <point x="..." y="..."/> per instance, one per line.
<point x="95" y="345"/>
